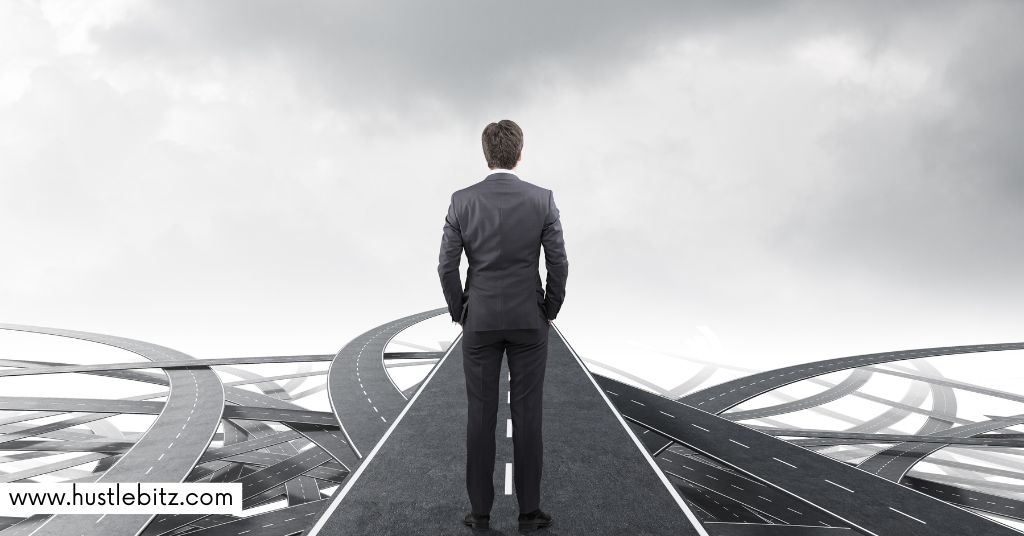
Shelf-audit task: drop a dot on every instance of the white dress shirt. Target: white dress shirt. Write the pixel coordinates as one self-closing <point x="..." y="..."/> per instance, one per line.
<point x="500" y="170"/>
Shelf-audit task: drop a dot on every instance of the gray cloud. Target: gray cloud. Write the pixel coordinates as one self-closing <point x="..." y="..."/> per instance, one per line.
<point x="466" y="57"/>
<point x="929" y="193"/>
<point x="802" y="177"/>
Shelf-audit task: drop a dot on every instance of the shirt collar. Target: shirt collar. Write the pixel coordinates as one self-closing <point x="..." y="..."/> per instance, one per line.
<point x="500" y="170"/>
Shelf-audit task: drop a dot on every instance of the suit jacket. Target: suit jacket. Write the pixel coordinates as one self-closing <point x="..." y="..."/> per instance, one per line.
<point x="502" y="222"/>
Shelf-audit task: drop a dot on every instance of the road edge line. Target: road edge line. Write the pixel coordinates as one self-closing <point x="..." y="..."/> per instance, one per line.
<point x="640" y="446"/>
<point x="351" y="480"/>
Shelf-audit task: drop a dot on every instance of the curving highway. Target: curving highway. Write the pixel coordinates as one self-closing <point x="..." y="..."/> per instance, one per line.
<point x="894" y="462"/>
<point x="168" y="450"/>
<point x="362" y="394"/>
<point x="718" y="398"/>
<point x="854" y="381"/>
<point x="862" y="500"/>
<point x="738" y="479"/>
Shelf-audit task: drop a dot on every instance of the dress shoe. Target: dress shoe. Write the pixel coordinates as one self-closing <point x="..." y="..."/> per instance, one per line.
<point x="477" y="521"/>
<point x="536" y="519"/>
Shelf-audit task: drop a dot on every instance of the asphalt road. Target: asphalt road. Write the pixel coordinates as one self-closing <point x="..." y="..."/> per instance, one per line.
<point x="915" y="375"/>
<point x="248" y="446"/>
<point x="244" y="433"/>
<point x="597" y="479"/>
<point x="276" y="475"/>
<point x="728" y="495"/>
<point x="761" y="529"/>
<point x="322" y="429"/>
<point x="936" y="441"/>
<point x="849" y="385"/>
<point x="96" y="445"/>
<point x="977" y="500"/>
<point x="861" y="499"/>
<point x="894" y="462"/>
<point x="733" y="492"/>
<point x="166" y="364"/>
<point x="286" y="521"/>
<point x="721" y="397"/>
<point x="329" y="438"/>
<point x="319" y="427"/>
<point x="329" y="471"/>
<point x="168" y="450"/>
<point x="362" y="394"/>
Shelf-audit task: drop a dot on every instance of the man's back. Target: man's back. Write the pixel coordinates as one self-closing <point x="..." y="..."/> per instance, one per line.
<point x="502" y="222"/>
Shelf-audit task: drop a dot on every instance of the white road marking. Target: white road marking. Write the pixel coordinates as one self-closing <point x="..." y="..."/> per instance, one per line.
<point x="508" y="479"/>
<point x="908" y="515"/>
<point x="698" y="426"/>
<point x="839" y="485"/>
<point x="738" y="443"/>
<point x="508" y="427"/>
<point x="785" y="462"/>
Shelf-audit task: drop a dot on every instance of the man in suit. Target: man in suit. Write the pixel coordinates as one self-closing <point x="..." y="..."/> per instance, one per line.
<point x="502" y="222"/>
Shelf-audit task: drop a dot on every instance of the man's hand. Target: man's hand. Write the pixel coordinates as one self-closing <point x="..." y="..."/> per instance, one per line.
<point x="555" y="259"/>
<point x="449" y="259"/>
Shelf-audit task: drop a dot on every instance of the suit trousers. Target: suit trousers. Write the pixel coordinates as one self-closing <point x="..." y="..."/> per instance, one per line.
<point x="527" y="351"/>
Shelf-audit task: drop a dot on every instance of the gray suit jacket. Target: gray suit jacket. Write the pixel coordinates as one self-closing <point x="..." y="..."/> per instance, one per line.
<point x="502" y="222"/>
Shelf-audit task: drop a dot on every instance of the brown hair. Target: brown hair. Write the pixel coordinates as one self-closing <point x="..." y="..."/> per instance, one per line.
<point x="503" y="142"/>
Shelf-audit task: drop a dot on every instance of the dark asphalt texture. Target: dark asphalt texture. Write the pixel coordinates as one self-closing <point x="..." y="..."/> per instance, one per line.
<point x="596" y="478"/>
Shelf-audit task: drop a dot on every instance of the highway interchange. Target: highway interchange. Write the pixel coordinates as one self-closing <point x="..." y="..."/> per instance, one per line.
<point x="729" y="476"/>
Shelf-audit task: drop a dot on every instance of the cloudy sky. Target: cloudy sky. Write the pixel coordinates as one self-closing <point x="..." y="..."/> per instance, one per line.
<point x="756" y="183"/>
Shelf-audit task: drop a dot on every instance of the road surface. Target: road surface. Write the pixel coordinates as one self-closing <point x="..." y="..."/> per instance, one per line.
<point x="863" y="500"/>
<point x="597" y="478"/>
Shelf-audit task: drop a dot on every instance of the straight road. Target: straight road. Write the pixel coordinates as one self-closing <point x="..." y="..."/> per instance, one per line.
<point x="598" y="479"/>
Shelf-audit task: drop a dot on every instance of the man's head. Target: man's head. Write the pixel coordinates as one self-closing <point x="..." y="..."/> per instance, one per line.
<point x="503" y="144"/>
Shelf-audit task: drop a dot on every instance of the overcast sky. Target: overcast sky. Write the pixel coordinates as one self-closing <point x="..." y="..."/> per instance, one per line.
<point x="759" y="183"/>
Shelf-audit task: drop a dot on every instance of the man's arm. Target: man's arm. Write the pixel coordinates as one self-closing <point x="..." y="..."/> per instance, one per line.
<point x="448" y="263"/>
<point x="555" y="260"/>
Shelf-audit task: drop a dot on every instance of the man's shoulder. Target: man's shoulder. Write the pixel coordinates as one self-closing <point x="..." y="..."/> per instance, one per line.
<point x="483" y="186"/>
<point x="534" y="187"/>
